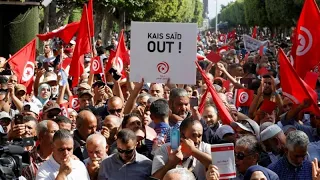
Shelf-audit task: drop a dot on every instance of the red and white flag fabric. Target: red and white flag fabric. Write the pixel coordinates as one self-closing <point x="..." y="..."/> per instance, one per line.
<point x="307" y="39"/>
<point x="232" y="35"/>
<point x="74" y="102"/>
<point x="65" y="32"/>
<point x="222" y="49"/>
<point x="254" y="32"/>
<point x="244" y="97"/>
<point x="64" y="109"/>
<point x="83" y="46"/>
<point x="223" y="112"/>
<point x="96" y="65"/>
<point x="119" y="58"/>
<point x="222" y="38"/>
<point x="294" y="87"/>
<point x="22" y="63"/>
<point x="200" y="57"/>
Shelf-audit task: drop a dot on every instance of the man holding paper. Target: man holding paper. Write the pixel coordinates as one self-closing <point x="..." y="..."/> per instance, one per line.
<point x="192" y="154"/>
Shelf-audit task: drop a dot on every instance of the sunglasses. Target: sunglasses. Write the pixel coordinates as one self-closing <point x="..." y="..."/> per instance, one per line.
<point x="112" y="111"/>
<point x="121" y="151"/>
<point x="241" y="156"/>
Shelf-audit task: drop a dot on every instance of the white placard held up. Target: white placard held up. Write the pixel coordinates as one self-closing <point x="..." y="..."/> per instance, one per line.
<point x="223" y="157"/>
<point x="163" y="50"/>
<point x="251" y="44"/>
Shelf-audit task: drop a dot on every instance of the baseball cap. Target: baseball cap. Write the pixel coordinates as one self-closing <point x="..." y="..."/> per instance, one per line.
<point x="223" y="130"/>
<point x="51" y="105"/>
<point x="31" y="107"/>
<point x="270" y="132"/>
<point x="20" y="87"/>
<point x="4" y="115"/>
<point x="247" y="125"/>
<point x="49" y="79"/>
<point x="83" y="92"/>
<point x="84" y="86"/>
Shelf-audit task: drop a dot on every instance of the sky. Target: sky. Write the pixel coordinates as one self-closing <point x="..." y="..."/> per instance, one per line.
<point x="212" y="6"/>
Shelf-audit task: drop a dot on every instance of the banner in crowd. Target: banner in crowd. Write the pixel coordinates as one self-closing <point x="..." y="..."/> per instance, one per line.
<point x="160" y="51"/>
<point x="251" y="44"/>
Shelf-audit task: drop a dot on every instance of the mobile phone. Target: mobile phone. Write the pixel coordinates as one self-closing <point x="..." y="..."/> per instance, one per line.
<point x="114" y="74"/>
<point x="194" y="101"/>
<point x="306" y="116"/>
<point x="175" y="139"/>
<point x="246" y="81"/>
<point x="18" y="119"/>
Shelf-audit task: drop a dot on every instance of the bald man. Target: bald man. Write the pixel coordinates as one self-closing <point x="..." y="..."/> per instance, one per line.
<point x="45" y="132"/>
<point x="115" y="106"/>
<point x="86" y="123"/>
<point x="97" y="150"/>
<point x="110" y="127"/>
<point x="179" y="174"/>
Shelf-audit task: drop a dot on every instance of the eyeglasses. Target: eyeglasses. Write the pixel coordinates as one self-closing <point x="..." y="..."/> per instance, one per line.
<point x="112" y="111"/>
<point x="121" y="151"/>
<point x="241" y="156"/>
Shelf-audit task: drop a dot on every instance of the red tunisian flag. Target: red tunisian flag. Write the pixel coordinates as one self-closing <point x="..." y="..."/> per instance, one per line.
<point x="74" y="102"/>
<point x="200" y="57"/>
<point x="232" y="35"/>
<point x="22" y="64"/>
<point x="213" y="57"/>
<point x="65" y="32"/>
<point x="244" y="97"/>
<point x="223" y="112"/>
<point x="96" y="66"/>
<point x="307" y="39"/>
<point x="222" y="38"/>
<point x="119" y="58"/>
<point x="294" y="87"/>
<point x="254" y="32"/>
<point x="83" y="46"/>
<point x="90" y="18"/>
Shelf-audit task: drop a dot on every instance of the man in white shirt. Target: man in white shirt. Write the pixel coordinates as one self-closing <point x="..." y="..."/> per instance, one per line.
<point x="61" y="166"/>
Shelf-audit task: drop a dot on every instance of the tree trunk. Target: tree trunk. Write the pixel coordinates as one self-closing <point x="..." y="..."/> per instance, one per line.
<point x="46" y="20"/>
<point x="18" y="26"/>
<point x="99" y="18"/>
<point x="107" y="29"/>
<point x="52" y="15"/>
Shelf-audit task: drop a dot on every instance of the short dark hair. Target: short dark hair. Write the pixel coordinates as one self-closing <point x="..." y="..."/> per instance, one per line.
<point x="186" y="123"/>
<point x="125" y="135"/>
<point x="29" y="118"/>
<point x="62" y="119"/>
<point x="126" y="119"/>
<point x="160" y="108"/>
<point x="61" y="135"/>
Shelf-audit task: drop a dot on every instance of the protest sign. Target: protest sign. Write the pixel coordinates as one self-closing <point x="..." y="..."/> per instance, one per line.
<point x="163" y="50"/>
<point x="251" y="44"/>
<point x="223" y="157"/>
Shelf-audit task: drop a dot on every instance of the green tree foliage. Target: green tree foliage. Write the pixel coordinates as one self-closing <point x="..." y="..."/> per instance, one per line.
<point x="282" y="13"/>
<point x="198" y="11"/>
<point x="255" y="13"/>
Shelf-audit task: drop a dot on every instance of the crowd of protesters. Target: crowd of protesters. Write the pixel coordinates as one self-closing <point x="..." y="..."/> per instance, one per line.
<point x="121" y="130"/>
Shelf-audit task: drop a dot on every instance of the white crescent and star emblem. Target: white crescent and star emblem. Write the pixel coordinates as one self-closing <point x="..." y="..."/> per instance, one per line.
<point x="304" y="44"/>
<point x="28" y="71"/>
<point x="95" y="65"/>
<point x="118" y="64"/>
<point x="75" y="102"/>
<point x="64" y="111"/>
<point x="243" y="97"/>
